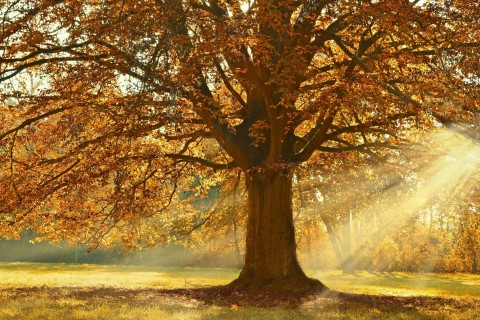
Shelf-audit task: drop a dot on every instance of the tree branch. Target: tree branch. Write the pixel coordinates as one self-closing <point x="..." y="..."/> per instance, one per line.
<point x="201" y="161"/>
<point x="318" y="135"/>
<point x="33" y="120"/>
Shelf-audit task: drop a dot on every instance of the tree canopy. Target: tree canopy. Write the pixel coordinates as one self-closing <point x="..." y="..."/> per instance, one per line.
<point x="113" y="108"/>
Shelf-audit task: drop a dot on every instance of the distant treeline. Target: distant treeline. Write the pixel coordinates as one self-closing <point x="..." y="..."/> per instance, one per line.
<point x="23" y="250"/>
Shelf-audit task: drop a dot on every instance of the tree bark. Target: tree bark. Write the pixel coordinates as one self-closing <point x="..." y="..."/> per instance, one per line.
<point x="333" y="239"/>
<point x="270" y="258"/>
<point x="347" y="262"/>
<point x="237" y="245"/>
<point x="474" y="262"/>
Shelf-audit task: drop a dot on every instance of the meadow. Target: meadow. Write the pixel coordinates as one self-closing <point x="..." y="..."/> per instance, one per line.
<point x="68" y="291"/>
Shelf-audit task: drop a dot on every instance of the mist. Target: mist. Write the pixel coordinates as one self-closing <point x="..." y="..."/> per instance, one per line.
<point x="409" y="212"/>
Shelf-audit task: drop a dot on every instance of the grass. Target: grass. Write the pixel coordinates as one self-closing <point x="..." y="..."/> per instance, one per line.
<point x="404" y="284"/>
<point x="14" y="275"/>
<point x="63" y="291"/>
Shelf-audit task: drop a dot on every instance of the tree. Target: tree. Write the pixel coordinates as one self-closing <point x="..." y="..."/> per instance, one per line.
<point x="136" y="97"/>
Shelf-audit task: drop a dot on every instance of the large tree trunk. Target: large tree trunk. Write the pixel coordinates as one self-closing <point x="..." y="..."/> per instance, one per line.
<point x="270" y="258"/>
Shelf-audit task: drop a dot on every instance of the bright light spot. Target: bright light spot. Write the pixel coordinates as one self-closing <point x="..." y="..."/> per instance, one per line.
<point x="428" y="179"/>
<point x="319" y="196"/>
<point x="11" y="102"/>
<point x="245" y="6"/>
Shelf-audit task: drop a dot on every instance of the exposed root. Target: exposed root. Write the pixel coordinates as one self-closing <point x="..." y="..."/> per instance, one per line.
<point x="299" y="284"/>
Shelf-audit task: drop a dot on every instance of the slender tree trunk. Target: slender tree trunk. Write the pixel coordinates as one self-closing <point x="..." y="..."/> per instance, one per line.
<point x="337" y="248"/>
<point x="431" y="221"/>
<point x="347" y="262"/>
<point x="474" y="263"/>
<point x="360" y="244"/>
<point x="237" y="245"/>
<point x="270" y="258"/>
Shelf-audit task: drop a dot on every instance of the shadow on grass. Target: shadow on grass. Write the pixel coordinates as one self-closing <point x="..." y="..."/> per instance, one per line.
<point x="226" y="296"/>
<point x="219" y="303"/>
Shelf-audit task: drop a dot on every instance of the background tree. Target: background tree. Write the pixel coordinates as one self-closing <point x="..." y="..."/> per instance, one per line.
<point x="415" y="217"/>
<point x="139" y="98"/>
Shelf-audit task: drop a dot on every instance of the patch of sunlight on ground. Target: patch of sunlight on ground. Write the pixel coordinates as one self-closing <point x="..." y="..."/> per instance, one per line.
<point x="71" y="275"/>
<point x="403" y="283"/>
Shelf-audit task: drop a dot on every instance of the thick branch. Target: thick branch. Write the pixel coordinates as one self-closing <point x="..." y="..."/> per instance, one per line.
<point x="229" y="86"/>
<point x="33" y="120"/>
<point x="200" y="161"/>
<point x="40" y="51"/>
<point x="16" y="70"/>
<point x="358" y="147"/>
<point x="367" y="125"/>
<point x="318" y="136"/>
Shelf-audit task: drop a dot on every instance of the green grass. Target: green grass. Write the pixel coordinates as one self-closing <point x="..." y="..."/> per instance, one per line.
<point x="404" y="283"/>
<point x="64" y="291"/>
<point x="71" y="275"/>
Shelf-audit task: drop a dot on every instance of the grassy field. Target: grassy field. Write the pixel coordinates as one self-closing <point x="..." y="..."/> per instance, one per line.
<point x="62" y="291"/>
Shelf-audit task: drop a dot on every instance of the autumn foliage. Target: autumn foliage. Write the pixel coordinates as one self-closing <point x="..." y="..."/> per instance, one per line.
<point x="117" y="112"/>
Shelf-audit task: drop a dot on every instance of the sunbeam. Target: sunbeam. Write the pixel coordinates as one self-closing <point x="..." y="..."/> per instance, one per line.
<point x="438" y="174"/>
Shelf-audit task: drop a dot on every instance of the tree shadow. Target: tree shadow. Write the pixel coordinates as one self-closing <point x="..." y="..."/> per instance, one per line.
<point x="225" y="296"/>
